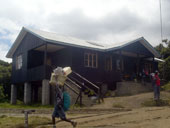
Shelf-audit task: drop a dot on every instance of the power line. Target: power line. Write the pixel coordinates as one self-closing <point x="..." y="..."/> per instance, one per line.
<point x="161" y="19"/>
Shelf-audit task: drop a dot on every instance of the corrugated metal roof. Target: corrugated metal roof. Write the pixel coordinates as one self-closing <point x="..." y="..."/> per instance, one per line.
<point x="118" y="44"/>
<point x="49" y="36"/>
<point x="75" y="42"/>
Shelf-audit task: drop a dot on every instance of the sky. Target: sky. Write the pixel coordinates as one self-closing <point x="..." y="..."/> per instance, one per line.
<point x="106" y="21"/>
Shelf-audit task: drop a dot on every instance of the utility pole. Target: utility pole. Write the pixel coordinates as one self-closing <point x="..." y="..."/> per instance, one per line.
<point x="162" y="40"/>
<point x="160" y="7"/>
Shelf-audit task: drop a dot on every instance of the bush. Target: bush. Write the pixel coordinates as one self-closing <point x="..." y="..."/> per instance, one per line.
<point x="2" y="95"/>
<point x="166" y="87"/>
<point x="165" y="69"/>
<point x="5" y="80"/>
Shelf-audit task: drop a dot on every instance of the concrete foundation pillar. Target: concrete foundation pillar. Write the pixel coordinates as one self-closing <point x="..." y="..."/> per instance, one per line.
<point x="39" y="94"/>
<point x="13" y="94"/>
<point x="27" y="93"/>
<point x="45" y="92"/>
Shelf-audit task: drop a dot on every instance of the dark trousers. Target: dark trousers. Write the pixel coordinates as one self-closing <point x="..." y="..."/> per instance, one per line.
<point x="156" y="92"/>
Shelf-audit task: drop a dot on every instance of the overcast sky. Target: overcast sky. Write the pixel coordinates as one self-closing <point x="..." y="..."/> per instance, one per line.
<point x="107" y="21"/>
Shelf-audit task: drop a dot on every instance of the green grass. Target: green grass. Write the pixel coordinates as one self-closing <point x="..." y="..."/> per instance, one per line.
<point x="152" y="103"/>
<point x="166" y="87"/>
<point x="18" y="122"/>
<point x="22" y="105"/>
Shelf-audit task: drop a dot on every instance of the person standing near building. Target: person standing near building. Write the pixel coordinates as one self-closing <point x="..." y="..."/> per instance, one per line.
<point x="156" y="86"/>
<point x="152" y="75"/>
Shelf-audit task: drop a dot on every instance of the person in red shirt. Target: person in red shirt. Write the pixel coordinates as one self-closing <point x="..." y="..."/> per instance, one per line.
<point x="156" y="86"/>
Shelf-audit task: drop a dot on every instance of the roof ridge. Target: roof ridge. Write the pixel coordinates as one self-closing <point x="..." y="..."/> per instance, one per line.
<point x="94" y="43"/>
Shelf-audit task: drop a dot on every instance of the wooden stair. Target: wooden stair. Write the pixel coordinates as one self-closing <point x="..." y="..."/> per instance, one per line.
<point x="76" y="89"/>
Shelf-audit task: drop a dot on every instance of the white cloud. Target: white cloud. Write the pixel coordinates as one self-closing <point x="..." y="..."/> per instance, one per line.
<point x="4" y="48"/>
<point x="104" y="20"/>
<point x="8" y="29"/>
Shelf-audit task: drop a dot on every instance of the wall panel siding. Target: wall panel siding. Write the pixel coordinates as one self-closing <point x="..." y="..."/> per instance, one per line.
<point x="62" y="57"/>
<point x="137" y="48"/>
<point x="92" y="74"/>
<point x="29" y="42"/>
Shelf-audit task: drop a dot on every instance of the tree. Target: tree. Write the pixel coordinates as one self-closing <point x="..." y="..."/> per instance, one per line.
<point x="5" y="80"/>
<point x="2" y="95"/>
<point x="164" y="68"/>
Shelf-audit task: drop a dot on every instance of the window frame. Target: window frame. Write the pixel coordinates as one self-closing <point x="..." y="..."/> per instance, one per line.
<point x="108" y="63"/>
<point x="91" y="60"/>
<point x="19" y="62"/>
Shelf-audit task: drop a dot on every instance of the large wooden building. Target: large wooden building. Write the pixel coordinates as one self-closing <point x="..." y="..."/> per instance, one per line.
<point x="36" y="53"/>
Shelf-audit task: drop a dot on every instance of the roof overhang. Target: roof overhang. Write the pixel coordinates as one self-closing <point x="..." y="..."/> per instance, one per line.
<point x="155" y="59"/>
<point x="50" y="48"/>
<point x="150" y="48"/>
<point x="16" y="43"/>
<point x="143" y="41"/>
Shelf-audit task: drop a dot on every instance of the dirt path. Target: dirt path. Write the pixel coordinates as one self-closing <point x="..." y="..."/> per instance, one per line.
<point x="154" y="117"/>
<point x="138" y="118"/>
<point x="134" y="101"/>
<point x="106" y="116"/>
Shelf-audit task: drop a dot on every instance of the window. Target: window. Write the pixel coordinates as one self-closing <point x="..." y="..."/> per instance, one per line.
<point x="108" y="63"/>
<point x="119" y="64"/>
<point x="90" y="60"/>
<point x="19" y="62"/>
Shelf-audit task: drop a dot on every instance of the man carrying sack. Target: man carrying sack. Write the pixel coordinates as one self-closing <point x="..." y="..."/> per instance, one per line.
<point x="58" y="78"/>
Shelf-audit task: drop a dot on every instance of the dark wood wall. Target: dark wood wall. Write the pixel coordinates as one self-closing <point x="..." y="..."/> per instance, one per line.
<point x="35" y="58"/>
<point x="96" y="75"/>
<point x="62" y="57"/>
<point x="28" y="43"/>
<point x="92" y="74"/>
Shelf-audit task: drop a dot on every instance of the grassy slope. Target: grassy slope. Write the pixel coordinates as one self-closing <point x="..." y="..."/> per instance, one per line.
<point x="18" y="122"/>
<point x="23" y="106"/>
